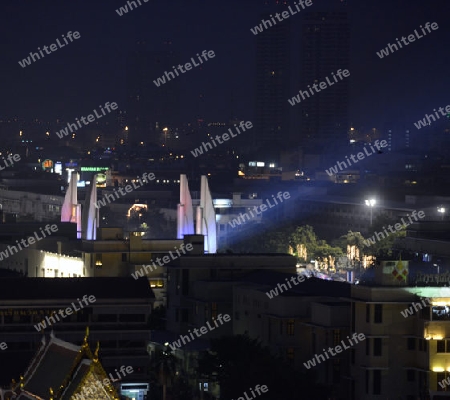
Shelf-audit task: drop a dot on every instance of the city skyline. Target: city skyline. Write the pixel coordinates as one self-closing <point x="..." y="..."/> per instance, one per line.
<point x="221" y="100"/>
<point x="278" y="165"/>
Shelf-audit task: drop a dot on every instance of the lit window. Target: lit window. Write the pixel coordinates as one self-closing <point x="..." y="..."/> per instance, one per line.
<point x="290" y="327"/>
<point x="157" y="283"/>
<point x="336" y="336"/>
<point x="290" y="354"/>
<point x="98" y="260"/>
<point x="213" y="310"/>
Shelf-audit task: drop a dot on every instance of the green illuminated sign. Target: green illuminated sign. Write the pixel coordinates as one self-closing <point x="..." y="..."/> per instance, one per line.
<point x="93" y="169"/>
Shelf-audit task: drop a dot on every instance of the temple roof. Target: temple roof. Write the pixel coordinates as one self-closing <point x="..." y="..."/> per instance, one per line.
<point x="51" y="368"/>
<point x="58" y="370"/>
<point x="80" y="373"/>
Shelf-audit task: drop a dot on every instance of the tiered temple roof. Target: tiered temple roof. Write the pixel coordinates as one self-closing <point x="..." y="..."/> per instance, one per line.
<point x="62" y="371"/>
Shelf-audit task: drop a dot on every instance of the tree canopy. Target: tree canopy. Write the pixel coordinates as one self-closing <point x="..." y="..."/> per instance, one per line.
<point x="239" y="363"/>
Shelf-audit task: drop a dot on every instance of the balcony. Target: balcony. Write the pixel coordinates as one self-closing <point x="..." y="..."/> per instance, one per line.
<point x="440" y="313"/>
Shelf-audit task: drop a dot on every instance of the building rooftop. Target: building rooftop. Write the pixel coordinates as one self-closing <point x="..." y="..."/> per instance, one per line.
<point x="309" y="287"/>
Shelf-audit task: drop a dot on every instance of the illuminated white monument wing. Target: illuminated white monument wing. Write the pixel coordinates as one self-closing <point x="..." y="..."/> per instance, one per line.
<point x="185" y="212"/>
<point x="71" y="210"/>
<point x="206" y="217"/>
<point x="90" y="217"/>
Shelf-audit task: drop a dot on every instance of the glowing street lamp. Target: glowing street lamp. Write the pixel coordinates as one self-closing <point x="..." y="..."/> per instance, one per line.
<point x="442" y="211"/>
<point x="165" y="135"/>
<point x="371" y="203"/>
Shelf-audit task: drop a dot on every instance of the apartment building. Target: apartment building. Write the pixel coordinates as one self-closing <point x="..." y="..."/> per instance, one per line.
<point x="298" y="323"/>
<point x="199" y="287"/>
<point x="118" y="319"/>
<point x="405" y="316"/>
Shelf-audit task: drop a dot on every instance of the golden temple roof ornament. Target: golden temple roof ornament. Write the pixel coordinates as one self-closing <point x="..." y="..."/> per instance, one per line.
<point x="85" y="340"/>
<point x="97" y="348"/>
<point x="77" y="379"/>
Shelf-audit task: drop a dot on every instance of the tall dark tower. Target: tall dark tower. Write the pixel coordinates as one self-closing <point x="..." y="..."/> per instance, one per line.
<point x="325" y="48"/>
<point x="273" y="49"/>
<point x="151" y="108"/>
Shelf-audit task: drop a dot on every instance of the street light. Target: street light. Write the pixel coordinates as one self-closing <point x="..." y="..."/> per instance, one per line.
<point x="165" y="135"/>
<point x="442" y="211"/>
<point x="370" y="203"/>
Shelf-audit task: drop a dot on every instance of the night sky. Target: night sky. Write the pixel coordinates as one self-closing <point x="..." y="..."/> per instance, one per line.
<point x="75" y="79"/>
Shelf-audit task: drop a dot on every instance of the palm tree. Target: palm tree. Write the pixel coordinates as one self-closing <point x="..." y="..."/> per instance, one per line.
<point x="353" y="243"/>
<point x="164" y="366"/>
<point x="303" y="242"/>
